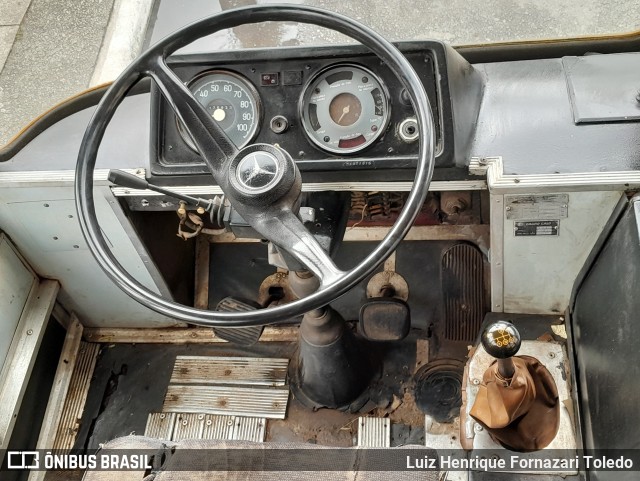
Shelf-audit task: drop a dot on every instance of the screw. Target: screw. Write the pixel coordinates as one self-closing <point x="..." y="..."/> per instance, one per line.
<point x="477" y="428"/>
<point x="552" y="355"/>
<point x="476" y="382"/>
<point x="29" y="332"/>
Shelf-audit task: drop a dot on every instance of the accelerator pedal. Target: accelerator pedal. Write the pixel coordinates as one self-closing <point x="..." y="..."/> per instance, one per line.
<point x="462" y="285"/>
<point x="242" y="336"/>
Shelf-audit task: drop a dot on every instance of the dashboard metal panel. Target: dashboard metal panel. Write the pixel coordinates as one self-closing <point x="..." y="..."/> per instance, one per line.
<point x="280" y="75"/>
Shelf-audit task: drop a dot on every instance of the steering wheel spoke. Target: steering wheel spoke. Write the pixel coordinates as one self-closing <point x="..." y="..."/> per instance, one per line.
<point x="212" y="142"/>
<point x="282" y="227"/>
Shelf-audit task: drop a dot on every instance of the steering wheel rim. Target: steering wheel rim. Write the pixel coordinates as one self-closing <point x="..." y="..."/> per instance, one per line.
<point x="139" y="69"/>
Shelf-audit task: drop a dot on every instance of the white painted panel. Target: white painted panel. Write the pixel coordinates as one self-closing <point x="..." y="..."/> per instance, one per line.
<point x="16" y="281"/>
<point x="540" y="271"/>
<point x="35" y="216"/>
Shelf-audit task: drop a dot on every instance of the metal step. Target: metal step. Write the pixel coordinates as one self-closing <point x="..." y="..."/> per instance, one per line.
<point x="374" y="432"/>
<point x="76" y="396"/>
<point x="178" y="426"/>
<point x="239" y="401"/>
<point x="250" y="371"/>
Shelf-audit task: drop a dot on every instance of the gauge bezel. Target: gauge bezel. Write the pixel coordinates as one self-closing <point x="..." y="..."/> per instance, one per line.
<point x="302" y="103"/>
<point x="245" y="82"/>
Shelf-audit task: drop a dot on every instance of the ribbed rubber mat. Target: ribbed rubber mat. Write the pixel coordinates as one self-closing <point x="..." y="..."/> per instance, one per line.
<point x="462" y="286"/>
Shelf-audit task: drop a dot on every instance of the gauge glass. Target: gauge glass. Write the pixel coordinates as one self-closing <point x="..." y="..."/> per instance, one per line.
<point x="344" y="109"/>
<point x="232" y="102"/>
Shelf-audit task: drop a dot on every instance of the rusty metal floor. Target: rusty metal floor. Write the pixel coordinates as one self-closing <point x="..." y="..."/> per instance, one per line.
<point x="131" y="381"/>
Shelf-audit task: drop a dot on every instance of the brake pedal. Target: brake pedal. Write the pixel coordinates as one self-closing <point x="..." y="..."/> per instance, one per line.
<point x="242" y="336"/>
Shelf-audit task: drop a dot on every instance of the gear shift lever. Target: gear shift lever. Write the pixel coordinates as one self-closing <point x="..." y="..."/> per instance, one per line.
<point x="502" y="341"/>
<point x="517" y="401"/>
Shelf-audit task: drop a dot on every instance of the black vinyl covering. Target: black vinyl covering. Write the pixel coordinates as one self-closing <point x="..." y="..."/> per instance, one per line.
<point x="606" y="330"/>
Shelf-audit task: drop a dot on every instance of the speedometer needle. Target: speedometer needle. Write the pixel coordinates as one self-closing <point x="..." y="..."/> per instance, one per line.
<point x="345" y="111"/>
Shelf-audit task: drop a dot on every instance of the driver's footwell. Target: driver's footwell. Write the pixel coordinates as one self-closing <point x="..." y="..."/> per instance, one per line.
<point x="131" y="381"/>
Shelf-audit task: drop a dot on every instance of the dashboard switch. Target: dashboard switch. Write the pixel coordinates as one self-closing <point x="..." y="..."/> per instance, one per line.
<point x="292" y="77"/>
<point x="279" y="124"/>
<point x="269" y="79"/>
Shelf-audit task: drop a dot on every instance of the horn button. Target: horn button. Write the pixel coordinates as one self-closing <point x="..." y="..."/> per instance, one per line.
<point x="262" y="173"/>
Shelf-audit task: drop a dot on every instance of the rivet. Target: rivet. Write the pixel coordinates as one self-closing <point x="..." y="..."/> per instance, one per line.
<point x="476" y="381"/>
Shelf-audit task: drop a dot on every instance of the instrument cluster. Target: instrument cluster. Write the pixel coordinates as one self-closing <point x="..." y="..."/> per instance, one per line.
<point x="330" y="112"/>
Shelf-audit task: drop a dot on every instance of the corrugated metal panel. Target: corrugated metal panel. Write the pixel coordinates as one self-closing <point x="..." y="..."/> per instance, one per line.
<point x="218" y="427"/>
<point x="76" y="396"/>
<point x="229" y="370"/>
<point x="249" y="429"/>
<point x="180" y="426"/>
<point x="160" y="425"/>
<point x="374" y="432"/>
<point x="188" y="426"/>
<point x="240" y="401"/>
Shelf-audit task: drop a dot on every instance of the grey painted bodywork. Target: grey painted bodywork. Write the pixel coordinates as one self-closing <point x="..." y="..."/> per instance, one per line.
<point x="525" y="117"/>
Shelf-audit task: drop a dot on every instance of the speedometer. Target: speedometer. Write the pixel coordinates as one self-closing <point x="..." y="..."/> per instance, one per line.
<point x="232" y="102"/>
<point x="344" y="109"/>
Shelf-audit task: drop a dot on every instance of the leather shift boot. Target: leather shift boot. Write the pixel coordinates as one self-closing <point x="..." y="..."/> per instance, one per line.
<point x="522" y="414"/>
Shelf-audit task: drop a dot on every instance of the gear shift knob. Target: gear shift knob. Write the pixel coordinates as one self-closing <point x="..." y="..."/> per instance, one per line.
<point x="502" y="340"/>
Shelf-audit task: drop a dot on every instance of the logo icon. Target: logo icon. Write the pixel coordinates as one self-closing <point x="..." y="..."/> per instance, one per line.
<point x="257" y="171"/>
<point x="23" y="460"/>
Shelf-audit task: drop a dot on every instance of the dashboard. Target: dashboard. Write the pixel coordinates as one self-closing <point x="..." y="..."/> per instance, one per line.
<point x="334" y="109"/>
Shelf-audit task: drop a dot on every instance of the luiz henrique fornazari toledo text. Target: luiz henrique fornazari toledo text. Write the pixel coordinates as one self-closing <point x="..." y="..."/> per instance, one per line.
<point x="517" y="462"/>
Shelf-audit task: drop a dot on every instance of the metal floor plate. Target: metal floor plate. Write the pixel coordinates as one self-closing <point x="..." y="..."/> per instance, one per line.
<point x="235" y="386"/>
<point x="180" y="426"/>
<point x="374" y="432"/>
<point x="239" y="401"/>
<point x="229" y="370"/>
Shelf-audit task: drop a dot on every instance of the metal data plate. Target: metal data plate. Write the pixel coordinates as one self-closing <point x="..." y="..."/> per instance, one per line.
<point x="537" y="207"/>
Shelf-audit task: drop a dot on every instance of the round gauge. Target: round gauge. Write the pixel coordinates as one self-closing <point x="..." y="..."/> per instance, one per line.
<point x="344" y="109"/>
<point x="232" y="102"/>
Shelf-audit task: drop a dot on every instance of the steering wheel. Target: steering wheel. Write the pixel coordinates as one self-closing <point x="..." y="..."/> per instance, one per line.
<point x="268" y="206"/>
